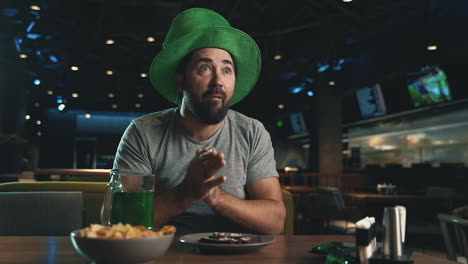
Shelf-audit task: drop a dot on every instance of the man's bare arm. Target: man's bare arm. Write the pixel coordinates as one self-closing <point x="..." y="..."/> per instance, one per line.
<point x="198" y="182"/>
<point x="264" y="212"/>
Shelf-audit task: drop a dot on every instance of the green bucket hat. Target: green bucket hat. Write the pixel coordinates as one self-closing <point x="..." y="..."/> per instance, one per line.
<point x="197" y="28"/>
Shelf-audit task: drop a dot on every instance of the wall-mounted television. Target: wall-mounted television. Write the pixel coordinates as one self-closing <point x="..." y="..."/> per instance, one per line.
<point x="430" y="88"/>
<point x="371" y="101"/>
<point x="298" y="124"/>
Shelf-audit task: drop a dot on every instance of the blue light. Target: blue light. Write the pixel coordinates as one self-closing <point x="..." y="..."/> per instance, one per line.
<point x="341" y="61"/>
<point x="31" y="25"/>
<point x="337" y="68"/>
<point x="310" y="93"/>
<point x="59" y="100"/>
<point x="287" y="75"/>
<point x="33" y="36"/>
<point x="53" y="58"/>
<point x="37" y="82"/>
<point x="323" y="67"/>
<point x="295" y="89"/>
<point x="308" y="79"/>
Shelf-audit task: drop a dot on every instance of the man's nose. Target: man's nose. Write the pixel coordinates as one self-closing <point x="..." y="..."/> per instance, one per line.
<point x="217" y="78"/>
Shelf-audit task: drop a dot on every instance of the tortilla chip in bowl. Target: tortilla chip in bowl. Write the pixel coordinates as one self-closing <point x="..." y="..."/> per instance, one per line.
<point x="122" y="243"/>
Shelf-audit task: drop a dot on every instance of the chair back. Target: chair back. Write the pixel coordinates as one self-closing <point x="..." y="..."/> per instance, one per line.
<point x="330" y="198"/>
<point x="454" y="233"/>
<point x="40" y="213"/>
<point x="93" y="194"/>
<point x="288" y="200"/>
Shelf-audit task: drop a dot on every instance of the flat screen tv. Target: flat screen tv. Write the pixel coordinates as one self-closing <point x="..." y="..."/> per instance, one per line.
<point x="371" y="101"/>
<point x="430" y="88"/>
<point x="298" y="125"/>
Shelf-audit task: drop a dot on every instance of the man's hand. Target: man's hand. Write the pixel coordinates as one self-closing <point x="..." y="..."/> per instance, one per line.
<point x="200" y="179"/>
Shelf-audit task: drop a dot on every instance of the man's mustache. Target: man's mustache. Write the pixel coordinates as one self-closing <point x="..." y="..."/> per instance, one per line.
<point x="215" y="91"/>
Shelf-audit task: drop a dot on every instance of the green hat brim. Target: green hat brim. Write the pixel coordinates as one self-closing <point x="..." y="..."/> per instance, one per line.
<point x="241" y="46"/>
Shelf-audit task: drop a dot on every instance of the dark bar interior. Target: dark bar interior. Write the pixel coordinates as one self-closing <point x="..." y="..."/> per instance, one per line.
<point x="366" y="102"/>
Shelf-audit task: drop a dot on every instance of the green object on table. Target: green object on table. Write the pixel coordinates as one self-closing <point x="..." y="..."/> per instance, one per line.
<point x="135" y="208"/>
<point x="336" y="253"/>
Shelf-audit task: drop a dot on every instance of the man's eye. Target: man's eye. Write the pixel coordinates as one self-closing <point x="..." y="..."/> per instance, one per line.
<point x="204" y="68"/>
<point x="227" y="70"/>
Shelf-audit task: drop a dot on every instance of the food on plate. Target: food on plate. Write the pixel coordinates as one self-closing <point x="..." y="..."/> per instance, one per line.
<point x="123" y="231"/>
<point x="230" y="238"/>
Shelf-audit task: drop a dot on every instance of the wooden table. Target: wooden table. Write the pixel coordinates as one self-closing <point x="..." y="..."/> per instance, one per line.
<point x="286" y="249"/>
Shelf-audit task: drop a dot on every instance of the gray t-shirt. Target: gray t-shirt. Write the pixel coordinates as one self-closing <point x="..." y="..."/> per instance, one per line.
<point x="156" y="144"/>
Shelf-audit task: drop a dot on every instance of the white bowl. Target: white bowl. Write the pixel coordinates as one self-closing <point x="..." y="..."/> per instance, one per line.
<point x="135" y="250"/>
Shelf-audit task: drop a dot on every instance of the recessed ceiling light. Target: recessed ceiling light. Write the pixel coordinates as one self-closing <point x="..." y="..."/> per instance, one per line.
<point x="38" y="133"/>
<point x="277" y="57"/>
<point x="143" y="75"/>
<point x="87" y="115"/>
<point x="331" y="83"/>
<point x="35" y="7"/>
<point x="60" y="107"/>
<point x="109" y="72"/>
<point x="431" y="47"/>
<point x="50" y="92"/>
<point x="280" y="106"/>
<point x="75" y="95"/>
<point x="140" y="95"/>
<point x="347" y="1"/>
<point x="110" y="95"/>
<point x="23" y="56"/>
<point x="150" y="39"/>
<point x="74" y="68"/>
<point x="114" y="106"/>
<point x="36" y="104"/>
<point x="38" y="122"/>
<point x="110" y="41"/>
<point x="27" y="117"/>
<point x="137" y="105"/>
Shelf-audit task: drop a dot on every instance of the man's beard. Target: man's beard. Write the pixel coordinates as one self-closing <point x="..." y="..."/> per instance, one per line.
<point x="208" y="112"/>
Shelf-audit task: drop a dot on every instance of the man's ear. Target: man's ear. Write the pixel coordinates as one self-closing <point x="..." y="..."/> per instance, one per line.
<point x="179" y="83"/>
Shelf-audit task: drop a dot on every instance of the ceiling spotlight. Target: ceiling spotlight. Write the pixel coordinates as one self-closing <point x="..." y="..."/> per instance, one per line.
<point x="75" y="95"/>
<point x="87" y="115"/>
<point x="35" y="7"/>
<point x="110" y="41"/>
<point x="143" y="75"/>
<point x="137" y="105"/>
<point x="38" y="133"/>
<point x="50" y="92"/>
<point x="74" y="68"/>
<point x="60" y="107"/>
<point x="27" y="117"/>
<point x="310" y="93"/>
<point x="37" y="82"/>
<point x="114" y="106"/>
<point x="140" y="95"/>
<point x="36" y="104"/>
<point x="347" y="1"/>
<point x="108" y="72"/>
<point x="150" y="39"/>
<point x="331" y="83"/>
<point x="110" y="95"/>
<point x="23" y="56"/>
<point x="281" y="106"/>
<point x="431" y="47"/>
<point x="277" y="57"/>
<point x="38" y="122"/>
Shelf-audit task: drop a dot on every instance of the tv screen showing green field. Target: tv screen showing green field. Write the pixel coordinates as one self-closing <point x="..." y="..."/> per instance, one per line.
<point x="430" y="89"/>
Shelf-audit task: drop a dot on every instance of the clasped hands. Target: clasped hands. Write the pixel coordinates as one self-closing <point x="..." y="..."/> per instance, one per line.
<point x="200" y="182"/>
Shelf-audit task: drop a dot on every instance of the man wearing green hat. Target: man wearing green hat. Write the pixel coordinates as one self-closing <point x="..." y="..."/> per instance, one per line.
<point x="215" y="167"/>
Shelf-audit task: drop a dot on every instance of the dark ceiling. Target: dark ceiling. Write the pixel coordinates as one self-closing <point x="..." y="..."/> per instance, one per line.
<point x="308" y="34"/>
